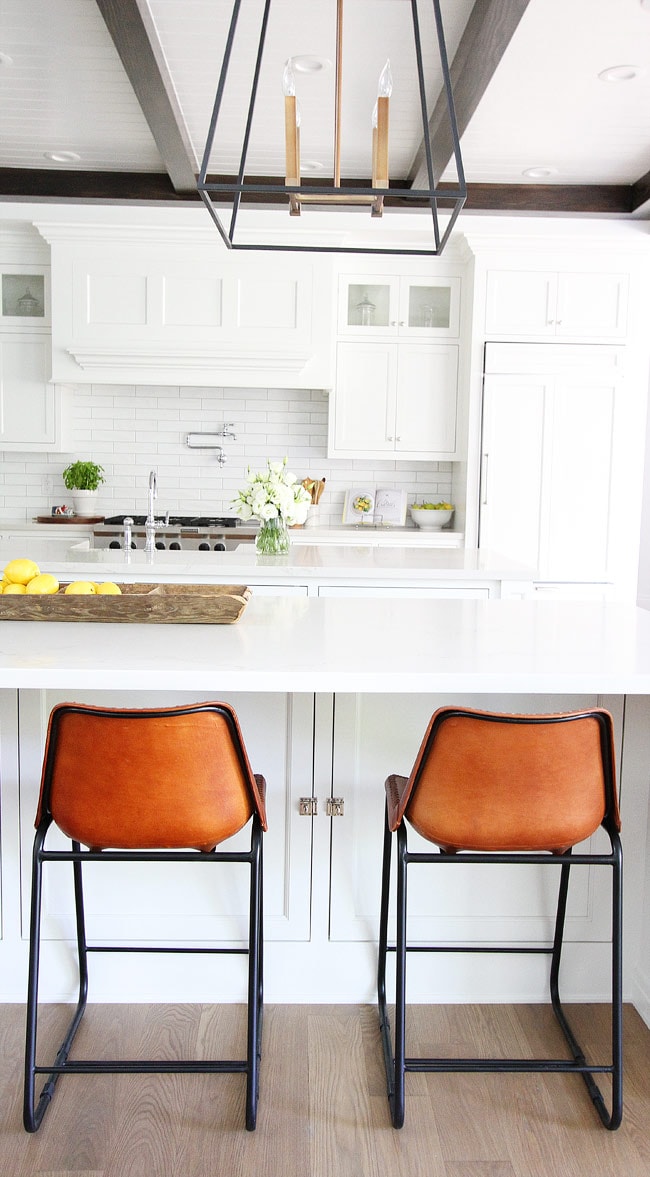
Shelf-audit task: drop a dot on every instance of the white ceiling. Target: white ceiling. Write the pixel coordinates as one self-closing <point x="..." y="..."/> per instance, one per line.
<point x="66" y="90"/>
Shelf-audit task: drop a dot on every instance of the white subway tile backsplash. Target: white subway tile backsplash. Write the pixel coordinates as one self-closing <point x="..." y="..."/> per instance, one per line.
<point x="131" y="431"/>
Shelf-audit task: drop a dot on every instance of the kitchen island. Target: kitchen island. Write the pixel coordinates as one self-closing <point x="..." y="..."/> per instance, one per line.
<point x="307" y="570"/>
<point x="333" y="694"/>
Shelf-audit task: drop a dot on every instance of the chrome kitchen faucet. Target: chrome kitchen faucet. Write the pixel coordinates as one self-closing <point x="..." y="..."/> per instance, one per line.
<point x="150" y="525"/>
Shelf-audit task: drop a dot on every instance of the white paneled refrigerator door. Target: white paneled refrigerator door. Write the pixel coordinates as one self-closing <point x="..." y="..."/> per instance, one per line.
<point x="552" y="468"/>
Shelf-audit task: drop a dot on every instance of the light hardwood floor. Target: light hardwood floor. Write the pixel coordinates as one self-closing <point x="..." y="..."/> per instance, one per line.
<point x="323" y="1109"/>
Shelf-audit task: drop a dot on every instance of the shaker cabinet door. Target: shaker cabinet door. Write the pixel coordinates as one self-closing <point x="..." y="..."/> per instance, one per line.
<point x="362" y="405"/>
<point x="33" y="412"/>
<point x="427" y="385"/>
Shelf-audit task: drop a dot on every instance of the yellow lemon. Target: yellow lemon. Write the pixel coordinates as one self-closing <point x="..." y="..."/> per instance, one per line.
<point x="44" y="583"/>
<point x="81" y="587"/>
<point x="14" y="588"/>
<point x="21" y="571"/>
<point x="109" y="589"/>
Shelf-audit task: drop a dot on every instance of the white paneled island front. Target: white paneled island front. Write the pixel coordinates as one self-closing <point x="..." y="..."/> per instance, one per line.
<point x="333" y="694"/>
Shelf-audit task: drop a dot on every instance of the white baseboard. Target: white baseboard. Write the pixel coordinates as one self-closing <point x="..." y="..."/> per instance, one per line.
<point x="641" y="997"/>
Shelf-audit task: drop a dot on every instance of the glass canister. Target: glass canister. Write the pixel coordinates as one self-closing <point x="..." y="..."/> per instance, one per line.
<point x="366" y="310"/>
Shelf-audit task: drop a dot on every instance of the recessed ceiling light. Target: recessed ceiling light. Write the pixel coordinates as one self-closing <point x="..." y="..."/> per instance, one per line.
<point x="311" y="165"/>
<point x="645" y="4"/>
<point x="308" y="63"/>
<point x="621" y="73"/>
<point x="5" y="59"/>
<point x="539" y="173"/>
<point x="62" y="156"/>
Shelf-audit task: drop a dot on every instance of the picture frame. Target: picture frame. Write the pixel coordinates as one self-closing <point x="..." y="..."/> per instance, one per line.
<point x="386" y="507"/>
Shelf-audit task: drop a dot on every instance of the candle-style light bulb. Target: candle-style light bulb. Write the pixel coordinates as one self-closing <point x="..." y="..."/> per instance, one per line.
<point x="288" y="79"/>
<point x="385" y="83"/>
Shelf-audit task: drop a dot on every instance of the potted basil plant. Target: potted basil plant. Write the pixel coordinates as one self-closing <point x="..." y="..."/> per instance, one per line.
<point x="83" y="479"/>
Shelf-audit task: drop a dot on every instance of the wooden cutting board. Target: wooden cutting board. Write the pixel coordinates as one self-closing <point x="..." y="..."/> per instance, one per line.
<point x="163" y="604"/>
<point x="69" y="518"/>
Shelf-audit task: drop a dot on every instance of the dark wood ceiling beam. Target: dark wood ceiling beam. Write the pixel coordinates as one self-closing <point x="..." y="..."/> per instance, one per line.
<point x="130" y="26"/>
<point x="115" y="187"/>
<point x="576" y="199"/>
<point x="149" y="187"/>
<point x="487" y="35"/>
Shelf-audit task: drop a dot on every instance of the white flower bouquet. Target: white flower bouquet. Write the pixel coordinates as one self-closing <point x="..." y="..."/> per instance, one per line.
<point x="278" y="500"/>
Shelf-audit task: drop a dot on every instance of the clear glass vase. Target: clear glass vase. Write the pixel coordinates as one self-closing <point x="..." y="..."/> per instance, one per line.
<point x="272" y="538"/>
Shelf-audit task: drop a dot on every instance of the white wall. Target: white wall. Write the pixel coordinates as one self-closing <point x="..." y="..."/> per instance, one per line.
<point x="131" y="431"/>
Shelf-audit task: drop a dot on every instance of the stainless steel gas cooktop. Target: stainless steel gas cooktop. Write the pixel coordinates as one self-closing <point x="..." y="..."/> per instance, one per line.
<point x="198" y="533"/>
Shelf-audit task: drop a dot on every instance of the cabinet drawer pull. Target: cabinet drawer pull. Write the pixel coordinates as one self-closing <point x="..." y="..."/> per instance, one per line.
<point x="484" y="479"/>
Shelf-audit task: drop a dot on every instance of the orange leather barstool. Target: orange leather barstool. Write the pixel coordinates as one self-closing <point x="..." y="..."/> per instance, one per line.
<point x="165" y="785"/>
<point x="494" y="788"/>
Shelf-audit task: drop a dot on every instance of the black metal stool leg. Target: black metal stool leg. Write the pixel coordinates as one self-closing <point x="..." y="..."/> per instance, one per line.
<point x="397" y="1107"/>
<point x="617" y="987"/>
<point x="384" y="1020"/>
<point x="254" y="980"/>
<point x="613" y="1120"/>
<point x="33" y="1112"/>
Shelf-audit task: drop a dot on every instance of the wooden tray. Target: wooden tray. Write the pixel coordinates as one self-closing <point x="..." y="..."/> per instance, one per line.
<point x="164" y="604"/>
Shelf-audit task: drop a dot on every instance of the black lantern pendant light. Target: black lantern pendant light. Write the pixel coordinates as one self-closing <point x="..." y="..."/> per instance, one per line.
<point x="227" y="194"/>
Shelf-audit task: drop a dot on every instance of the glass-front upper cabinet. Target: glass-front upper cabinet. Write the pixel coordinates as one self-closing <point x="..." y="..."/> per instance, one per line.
<point x="426" y="308"/>
<point x="24" y="297"/>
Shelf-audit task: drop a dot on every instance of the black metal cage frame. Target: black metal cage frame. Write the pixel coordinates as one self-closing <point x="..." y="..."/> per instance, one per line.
<point x="225" y="190"/>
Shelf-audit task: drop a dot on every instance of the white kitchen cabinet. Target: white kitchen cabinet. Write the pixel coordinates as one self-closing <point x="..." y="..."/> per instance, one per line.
<point x="588" y="305"/>
<point x="190" y="903"/>
<point x="553" y="485"/>
<point x="375" y="735"/>
<point x="397" y="399"/>
<point x="34" y="414"/>
<point x="153" y="306"/>
<point x="420" y="307"/>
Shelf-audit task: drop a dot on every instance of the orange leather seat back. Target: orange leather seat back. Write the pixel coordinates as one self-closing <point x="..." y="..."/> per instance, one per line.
<point x="488" y="782"/>
<point x="174" y="778"/>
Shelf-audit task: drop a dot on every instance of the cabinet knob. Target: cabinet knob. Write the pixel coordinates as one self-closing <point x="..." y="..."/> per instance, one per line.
<point x="398" y="439"/>
<point x="389" y="438"/>
<point x="402" y="322"/>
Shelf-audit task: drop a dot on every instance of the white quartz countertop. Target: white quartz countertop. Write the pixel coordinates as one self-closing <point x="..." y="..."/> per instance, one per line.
<point x="305" y="562"/>
<point x="349" y="645"/>
<point x="331" y="533"/>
